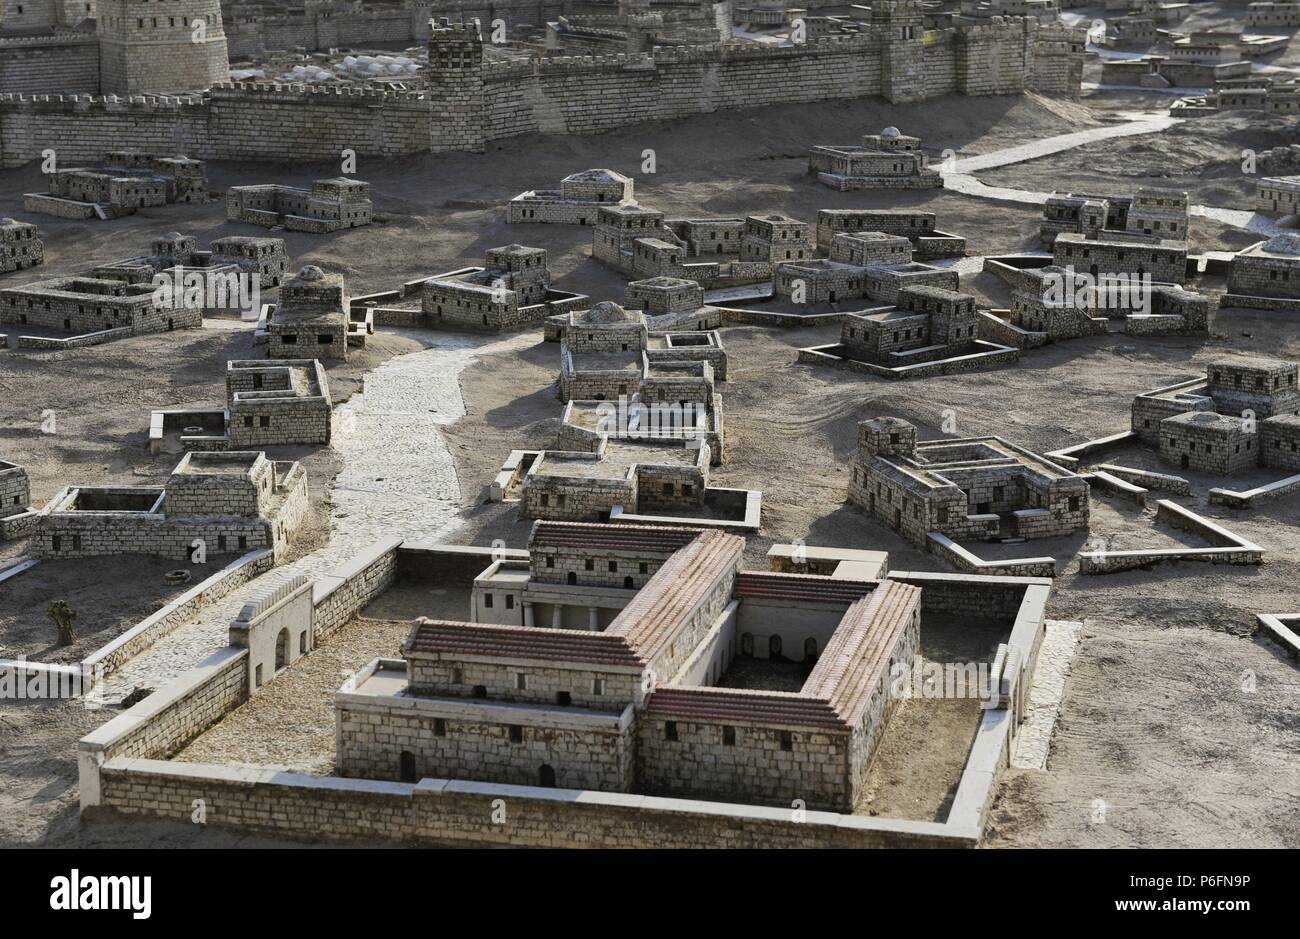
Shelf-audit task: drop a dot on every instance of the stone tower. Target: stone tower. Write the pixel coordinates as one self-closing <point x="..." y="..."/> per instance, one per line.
<point x="886" y="436"/>
<point x="456" y="85"/>
<point x="900" y="26"/>
<point x="160" y="47"/>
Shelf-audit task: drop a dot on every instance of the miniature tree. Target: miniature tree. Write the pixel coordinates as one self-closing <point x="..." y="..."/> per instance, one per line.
<point x="63" y="616"/>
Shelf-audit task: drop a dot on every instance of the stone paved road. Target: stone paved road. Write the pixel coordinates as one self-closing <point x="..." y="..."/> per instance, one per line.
<point x="398" y="479"/>
<point x="1045" y="695"/>
<point x="960" y="178"/>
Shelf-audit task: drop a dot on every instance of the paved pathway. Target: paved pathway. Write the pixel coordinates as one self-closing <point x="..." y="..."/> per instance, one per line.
<point x="398" y="479"/>
<point x="1034" y="740"/>
<point x="960" y="178"/>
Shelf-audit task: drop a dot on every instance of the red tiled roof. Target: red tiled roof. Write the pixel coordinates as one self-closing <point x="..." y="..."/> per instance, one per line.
<point x="598" y="536"/>
<point x="762" y="585"/>
<point x="742" y="706"/>
<point x="836" y="694"/>
<point x="857" y="656"/>
<point x="660" y="608"/>
<point x="445" y="637"/>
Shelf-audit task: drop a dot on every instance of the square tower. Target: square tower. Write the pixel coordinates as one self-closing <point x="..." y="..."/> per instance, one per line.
<point x="886" y="436"/>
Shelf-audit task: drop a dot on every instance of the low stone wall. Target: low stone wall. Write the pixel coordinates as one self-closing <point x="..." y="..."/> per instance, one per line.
<point x="75" y="342"/>
<point x="1245" y="302"/>
<point x="1120" y="487"/>
<point x="447" y="812"/>
<point x="1228" y="548"/>
<point x="341" y="594"/>
<point x="995" y="329"/>
<point x="164" y="722"/>
<point x="1162" y="482"/>
<point x="18" y="525"/>
<point x="1248" y="498"/>
<point x="450" y="564"/>
<point x="733" y="316"/>
<point x="962" y="559"/>
<point x="1281" y="628"/>
<point x="994" y="356"/>
<point x="1070" y="457"/>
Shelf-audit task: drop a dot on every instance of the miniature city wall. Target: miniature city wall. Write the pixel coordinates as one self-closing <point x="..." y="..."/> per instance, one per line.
<point x="466" y="107"/>
<point x="123" y="766"/>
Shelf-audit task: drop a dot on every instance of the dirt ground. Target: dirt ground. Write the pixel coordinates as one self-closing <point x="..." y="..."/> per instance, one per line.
<point x="1156" y="738"/>
<point x="93" y="588"/>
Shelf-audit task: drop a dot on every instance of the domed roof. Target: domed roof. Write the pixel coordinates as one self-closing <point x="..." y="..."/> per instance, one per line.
<point x="1285" y="243"/>
<point x="607" y="311"/>
<point x="310" y="272"/>
<point x="890" y="133"/>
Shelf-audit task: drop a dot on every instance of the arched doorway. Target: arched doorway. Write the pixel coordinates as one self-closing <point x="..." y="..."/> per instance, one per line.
<point x="546" y="776"/>
<point x="282" y="649"/>
<point x="774" y="646"/>
<point x="810" y="648"/>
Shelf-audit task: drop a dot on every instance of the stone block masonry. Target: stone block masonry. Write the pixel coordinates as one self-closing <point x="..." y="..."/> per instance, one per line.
<point x="20" y="246"/>
<point x="471" y="103"/>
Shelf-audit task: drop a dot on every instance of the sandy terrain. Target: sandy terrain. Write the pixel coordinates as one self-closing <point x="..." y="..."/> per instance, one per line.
<point x="1154" y="723"/>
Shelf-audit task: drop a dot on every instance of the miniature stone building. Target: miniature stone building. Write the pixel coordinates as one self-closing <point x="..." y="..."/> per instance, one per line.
<point x="16" y="513"/>
<point x="774" y="238"/>
<point x="867" y="264"/>
<point x="602" y="353"/>
<point x="216" y="503"/>
<point x="624" y="686"/>
<point x="606" y="350"/>
<point x="1240" y="416"/>
<point x="1063" y="304"/>
<point x="642" y="244"/>
<point x="277" y="628"/>
<point x="227" y="276"/>
<point x="1278" y="195"/>
<point x="311" y="317"/>
<point x="20" y="246"/>
<point x="511" y="291"/>
<point x="617" y="230"/>
<point x="1266" y="275"/>
<point x="575" y="202"/>
<point x="928" y="322"/>
<point x="675" y="401"/>
<point x="660" y="296"/>
<point x="79" y="305"/>
<point x="888" y="160"/>
<point x="1149" y="214"/>
<point x="284" y="402"/>
<point x="1268" y="13"/>
<point x="330" y="205"/>
<point x="981" y="488"/>
<point x="708" y="237"/>
<point x="918" y="227"/>
<point x="129" y="180"/>
<point x="669" y="304"/>
<point x="1164" y="262"/>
